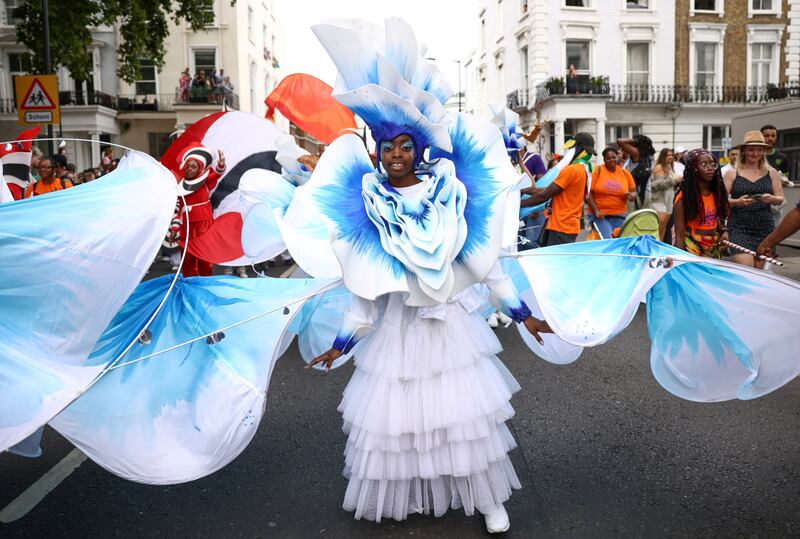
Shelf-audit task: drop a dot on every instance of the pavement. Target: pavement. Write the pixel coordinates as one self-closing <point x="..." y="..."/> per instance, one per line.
<point x="603" y="451"/>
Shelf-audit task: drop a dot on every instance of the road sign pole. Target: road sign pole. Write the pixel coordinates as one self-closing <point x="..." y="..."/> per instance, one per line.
<point x="46" y="30"/>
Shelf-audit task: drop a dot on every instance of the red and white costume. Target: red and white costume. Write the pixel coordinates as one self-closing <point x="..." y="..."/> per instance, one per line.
<point x="197" y="206"/>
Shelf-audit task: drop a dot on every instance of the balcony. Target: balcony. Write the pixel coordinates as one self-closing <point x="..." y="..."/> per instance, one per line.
<point x="555" y="87"/>
<point x="746" y="95"/>
<point x="81" y="99"/>
<point x="518" y="100"/>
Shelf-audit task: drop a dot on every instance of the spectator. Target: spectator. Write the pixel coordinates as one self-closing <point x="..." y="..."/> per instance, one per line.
<point x="59" y="163"/>
<point x="572" y="80"/>
<point x="184" y="82"/>
<point x="48" y="181"/>
<point x="533" y="166"/>
<point x="677" y="160"/>
<point x="776" y="158"/>
<point x="612" y="187"/>
<point x="663" y="189"/>
<point x="641" y="152"/>
<point x="71" y="168"/>
<point x="107" y="157"/>
<point x="733" y="155"/>
<point x="36" y="155"/>
<point x="754" y="186"/>
<point x="200" y="85"/>
<point x="89" y="175"/>
<point x="701" y="206"/>
<point x="566" y="195"/>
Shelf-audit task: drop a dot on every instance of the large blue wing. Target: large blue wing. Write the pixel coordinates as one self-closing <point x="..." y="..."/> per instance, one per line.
<point x="183" y="414"/>
<point x="68" y="261"/>
<point x="718" y="330"/>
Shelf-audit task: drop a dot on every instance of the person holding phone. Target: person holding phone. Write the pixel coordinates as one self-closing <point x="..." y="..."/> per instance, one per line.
<point x="754" y="186"/>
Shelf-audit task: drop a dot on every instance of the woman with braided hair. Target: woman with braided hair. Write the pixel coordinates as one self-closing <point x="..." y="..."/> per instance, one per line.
<point x="701" y="206"/>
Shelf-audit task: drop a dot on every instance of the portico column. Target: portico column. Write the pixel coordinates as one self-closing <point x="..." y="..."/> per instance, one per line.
<point x="559" y="135"/>
<point x="600" y="137"/>
<point x="95" y="136"/>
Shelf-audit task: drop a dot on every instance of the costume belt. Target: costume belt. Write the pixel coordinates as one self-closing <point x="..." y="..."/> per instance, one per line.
<point x="187" y="208"/>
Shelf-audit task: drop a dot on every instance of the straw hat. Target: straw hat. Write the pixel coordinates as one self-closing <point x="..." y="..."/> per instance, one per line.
<point x="753" y="138"/>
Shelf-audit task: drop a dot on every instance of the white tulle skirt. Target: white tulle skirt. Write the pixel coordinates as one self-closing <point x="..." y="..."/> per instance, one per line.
<point x="425" y="416"/>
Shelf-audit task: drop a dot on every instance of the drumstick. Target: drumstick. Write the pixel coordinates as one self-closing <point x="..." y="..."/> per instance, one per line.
<point x="752" y="253"/>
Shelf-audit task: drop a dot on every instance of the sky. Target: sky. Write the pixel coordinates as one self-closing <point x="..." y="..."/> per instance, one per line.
<point x="448" y="27"/>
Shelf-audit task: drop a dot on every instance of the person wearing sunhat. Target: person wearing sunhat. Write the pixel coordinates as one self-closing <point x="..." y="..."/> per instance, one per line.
<point x="567" y="194"/>
<point x="753" y="187"/>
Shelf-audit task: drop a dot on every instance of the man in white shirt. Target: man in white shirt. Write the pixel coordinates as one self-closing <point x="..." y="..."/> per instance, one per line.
<point x="677" y="163"/>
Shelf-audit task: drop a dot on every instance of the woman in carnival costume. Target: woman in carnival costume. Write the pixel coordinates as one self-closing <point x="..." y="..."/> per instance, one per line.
<point x="426" y="408"/>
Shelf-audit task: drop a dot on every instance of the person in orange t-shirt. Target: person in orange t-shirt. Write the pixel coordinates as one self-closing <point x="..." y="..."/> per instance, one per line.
<point x="612" y="188"/>
<point x="701" y="206"/>
<point x="566" y="194"/>
<point x="47" y="183"/>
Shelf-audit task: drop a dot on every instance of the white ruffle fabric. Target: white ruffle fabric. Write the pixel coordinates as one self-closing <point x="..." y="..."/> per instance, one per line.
<point x="424" y="413"/>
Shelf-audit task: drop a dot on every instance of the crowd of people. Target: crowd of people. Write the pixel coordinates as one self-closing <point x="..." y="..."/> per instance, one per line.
<point x="701" y="206"/>
<point x="54" y="173"/>
<point x="212" y="87"/>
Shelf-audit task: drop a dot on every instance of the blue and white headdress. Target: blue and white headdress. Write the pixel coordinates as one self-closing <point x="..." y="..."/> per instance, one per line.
<point x="384" y="80"/>
<point x="507" y="121"/>
<point x="348" y="220"/>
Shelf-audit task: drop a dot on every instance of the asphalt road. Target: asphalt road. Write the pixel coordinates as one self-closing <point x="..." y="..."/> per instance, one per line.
<point x="603" y="451"/>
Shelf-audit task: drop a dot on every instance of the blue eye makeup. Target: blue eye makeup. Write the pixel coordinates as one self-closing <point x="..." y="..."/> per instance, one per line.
<point x="407" y="147"/>
<point x="386" y="147"/>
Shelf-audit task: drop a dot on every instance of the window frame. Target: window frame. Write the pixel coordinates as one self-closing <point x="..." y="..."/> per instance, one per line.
<point x="775" y="10"/>
<point x="719" y="9"/>
<point x="648" y="72"/>
<point x="590" y="5"/>
<point x="708" y="137"/>
<point x="154" y="80"/>
<point x="192" y="60"/>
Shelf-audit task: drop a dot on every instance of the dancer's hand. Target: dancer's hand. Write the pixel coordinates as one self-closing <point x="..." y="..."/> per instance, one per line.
<point x="221" y="159"/>
<point x="327" y="358"/>
<point x="536" y="326"/>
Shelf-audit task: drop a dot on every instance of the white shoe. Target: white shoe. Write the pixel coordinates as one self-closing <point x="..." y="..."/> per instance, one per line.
<point x="493" y="321"/>
<point x="504" y="319"/>
<point x="497" y="521"/>
<point x="242" y="273"/>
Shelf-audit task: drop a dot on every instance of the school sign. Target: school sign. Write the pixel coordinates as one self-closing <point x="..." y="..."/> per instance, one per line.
<point x="37" y="99"/>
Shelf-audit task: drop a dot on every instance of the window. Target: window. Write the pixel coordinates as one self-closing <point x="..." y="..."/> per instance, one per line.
<point x="637" y="4"/>
<point x="577" y="3"/>
<point x="716" y="138"/>
<point x="147" y="78"/>
<point x="158" y="142"/>
<point x="578" y="55"/>
<point x="11" y="5"/>
<point x="638" y="67"/>
<point x="19" y="63"/>
<point x="705" y="63"/>
<point x="761" y="61"/>
<point x="622" y="131"/>
<point x="251" y="33"/>
<point x="499" y="25"/>
<point x="253" y="75"/>
<point x="523" y="67"/>
<point x="205" y="59"/>
<point x="763" y="7"/>
<point x="705" y="5"/>
<point x="524" y="7"/>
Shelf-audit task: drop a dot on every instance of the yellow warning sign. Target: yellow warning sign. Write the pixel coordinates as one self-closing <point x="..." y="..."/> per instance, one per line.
<point x="37" y="99"/>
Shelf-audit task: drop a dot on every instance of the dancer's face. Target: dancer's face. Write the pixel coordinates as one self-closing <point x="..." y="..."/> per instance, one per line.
<point x="397" y="156"/>
<point x="191" y="169"/>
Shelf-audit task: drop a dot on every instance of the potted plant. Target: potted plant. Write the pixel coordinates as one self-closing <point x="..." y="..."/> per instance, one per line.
<point x="554" y="85"/>
<point x="598" y="85"/>
<point x="774" y="92"/>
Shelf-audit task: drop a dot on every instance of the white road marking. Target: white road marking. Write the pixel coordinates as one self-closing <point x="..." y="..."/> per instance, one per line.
<point x="42" y="487"/>
<point x="288" y="271"/>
